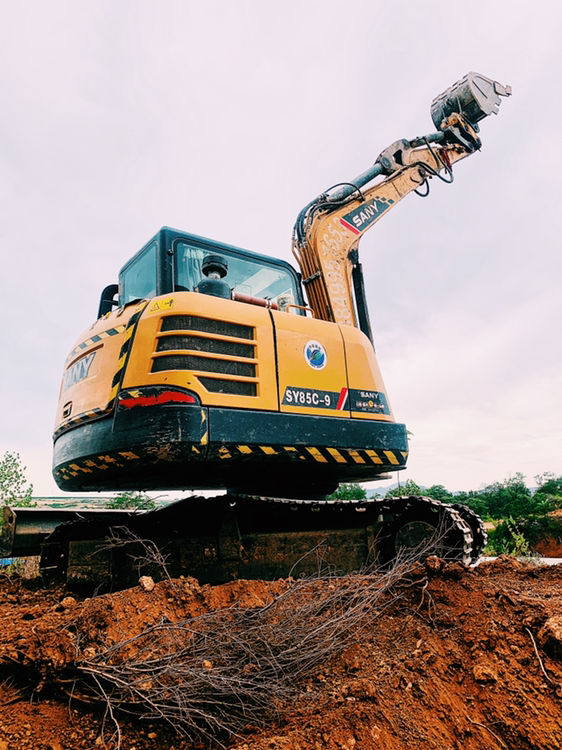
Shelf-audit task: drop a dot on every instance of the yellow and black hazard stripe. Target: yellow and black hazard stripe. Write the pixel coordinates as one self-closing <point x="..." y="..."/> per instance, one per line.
<point x="94" y="340"/>
<point x="85" y="416"/>
<point x="93" y="464"/>
<point x="129" y="329"/>
<point x="319" y="454"/>
<point x="124" y="354"/>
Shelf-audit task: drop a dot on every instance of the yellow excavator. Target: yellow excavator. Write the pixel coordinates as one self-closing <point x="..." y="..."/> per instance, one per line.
<point x="212" y="367"/>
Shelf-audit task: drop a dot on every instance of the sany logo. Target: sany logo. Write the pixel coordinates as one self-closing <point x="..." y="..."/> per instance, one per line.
<point x="366" y="214"/>
<point x="78" y="371"/>
<point x="315" y="355"/>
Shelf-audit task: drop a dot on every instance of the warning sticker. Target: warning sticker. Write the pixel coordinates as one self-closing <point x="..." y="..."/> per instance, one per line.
<point x="162" y="304"/>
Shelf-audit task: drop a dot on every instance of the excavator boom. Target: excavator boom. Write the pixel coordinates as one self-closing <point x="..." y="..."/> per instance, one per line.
<point x="328" y="230"/>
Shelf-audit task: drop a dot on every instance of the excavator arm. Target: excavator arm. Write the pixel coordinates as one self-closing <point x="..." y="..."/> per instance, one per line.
<point x="328" y="230"/>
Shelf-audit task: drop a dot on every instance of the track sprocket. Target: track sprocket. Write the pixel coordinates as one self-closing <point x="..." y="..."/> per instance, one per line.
<point x="479" y="535"/>
<point x="421" y="524"/>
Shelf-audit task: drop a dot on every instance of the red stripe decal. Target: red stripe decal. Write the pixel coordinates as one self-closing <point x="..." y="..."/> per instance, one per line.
<point x="160" y="398"/>
<point x="350" y="226"/>
<point x="342" y="399"/>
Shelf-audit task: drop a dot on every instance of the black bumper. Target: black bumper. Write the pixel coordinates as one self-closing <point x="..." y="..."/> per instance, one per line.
<point x="192" y="447"/>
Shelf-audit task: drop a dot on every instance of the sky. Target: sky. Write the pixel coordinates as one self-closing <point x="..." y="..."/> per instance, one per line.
<point x="224" y="119"/>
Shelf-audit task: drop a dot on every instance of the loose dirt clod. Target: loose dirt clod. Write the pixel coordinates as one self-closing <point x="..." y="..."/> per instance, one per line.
<point x="147" y="583"/>
<point x="550" y="636"/>
<point x="449" y="662"/>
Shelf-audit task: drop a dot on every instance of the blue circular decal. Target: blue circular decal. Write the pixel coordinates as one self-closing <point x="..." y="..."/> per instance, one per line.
<point x="315" y="355"/>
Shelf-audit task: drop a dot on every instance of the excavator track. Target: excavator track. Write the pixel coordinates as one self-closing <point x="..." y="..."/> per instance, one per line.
<point x="232" y="536"/>
<point x="479" y="535"/>
<point x="450" y="526"/>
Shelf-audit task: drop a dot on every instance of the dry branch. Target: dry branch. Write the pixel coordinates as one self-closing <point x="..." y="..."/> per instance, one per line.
<point x="148" y="555"/>
<point x="215" y="674"/>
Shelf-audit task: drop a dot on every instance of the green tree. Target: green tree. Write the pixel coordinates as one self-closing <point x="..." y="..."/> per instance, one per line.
<point x="348" y="491"/>
<point x="14" y="487"/>
<point x="549" y="488"/>
<point x="408" y="488"/>
<point x="438" y="492"/>
<point x="131" y="500"/>
<point x="512" y="498"/>
<point x="516" y="538"/>
<point x="475" y="501"/>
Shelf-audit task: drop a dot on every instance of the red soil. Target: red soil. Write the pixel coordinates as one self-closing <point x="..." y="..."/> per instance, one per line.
<point x="463" y="658"/>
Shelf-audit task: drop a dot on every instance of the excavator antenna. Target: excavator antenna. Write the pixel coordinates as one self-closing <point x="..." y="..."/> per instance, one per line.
<point x="474" y="97"/>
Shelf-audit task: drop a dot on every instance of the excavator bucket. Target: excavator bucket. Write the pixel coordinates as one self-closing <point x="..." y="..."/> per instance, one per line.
<point x="474" y="97"/>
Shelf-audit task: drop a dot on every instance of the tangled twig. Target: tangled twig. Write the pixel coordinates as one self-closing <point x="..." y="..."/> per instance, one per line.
<point x="144" y="552"/>
<point x="217" y="673"/>
<point x="109" y="710"/>
<point x="9" y="693"/>
<point x="430" y="602"/>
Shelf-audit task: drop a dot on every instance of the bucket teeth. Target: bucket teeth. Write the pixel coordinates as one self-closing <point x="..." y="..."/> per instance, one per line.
<point x="474" y="97"/>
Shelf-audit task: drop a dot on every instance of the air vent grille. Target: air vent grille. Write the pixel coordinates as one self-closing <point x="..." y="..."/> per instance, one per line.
<point x="205" y="364"/>
<point x="206" y="325"/>
<point x="233" y="387"/>
<point x="200" y="344"/>
<point x="218" y="340"/>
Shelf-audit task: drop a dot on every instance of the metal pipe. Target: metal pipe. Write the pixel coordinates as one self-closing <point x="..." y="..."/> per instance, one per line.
<point x="378" y="169"/>
<point x="359" y="181"/>
<point x="422" y="140"/>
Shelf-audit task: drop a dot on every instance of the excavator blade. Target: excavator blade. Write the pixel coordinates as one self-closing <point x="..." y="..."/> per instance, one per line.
<point x="474" y="97"/>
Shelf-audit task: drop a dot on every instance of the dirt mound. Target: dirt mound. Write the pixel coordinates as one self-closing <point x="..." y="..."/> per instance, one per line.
<point x="451" y="658"/>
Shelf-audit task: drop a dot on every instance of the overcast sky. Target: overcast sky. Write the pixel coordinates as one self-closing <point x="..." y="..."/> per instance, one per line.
<point x="224" y="119"/>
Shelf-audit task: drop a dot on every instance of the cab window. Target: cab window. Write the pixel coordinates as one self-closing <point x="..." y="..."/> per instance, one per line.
<point x="244" y="275"/>
<point x="138" y="280"/>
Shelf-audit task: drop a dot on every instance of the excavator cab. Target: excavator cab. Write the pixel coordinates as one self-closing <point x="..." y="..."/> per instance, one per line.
<point x="173" y="261"/>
